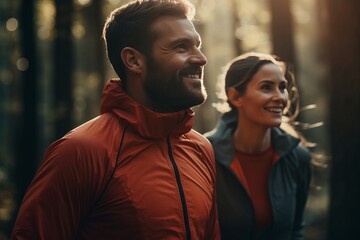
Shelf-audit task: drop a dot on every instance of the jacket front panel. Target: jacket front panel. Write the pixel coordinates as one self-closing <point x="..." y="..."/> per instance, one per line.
<point x="128" y="174"/>
<point x="151" y="207"/>
<point x="288" y="187"/>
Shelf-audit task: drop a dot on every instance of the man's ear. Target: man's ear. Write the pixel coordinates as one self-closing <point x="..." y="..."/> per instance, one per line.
<point x="234" y="97"/>
<point x="133" y="60"/>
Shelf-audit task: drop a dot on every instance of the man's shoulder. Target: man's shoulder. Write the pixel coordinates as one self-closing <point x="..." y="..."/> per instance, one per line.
<point x="198" y="137"/>
<point x="94" y="137"/>
<point x="99" y="129"/>
<point x="202" y="142"/>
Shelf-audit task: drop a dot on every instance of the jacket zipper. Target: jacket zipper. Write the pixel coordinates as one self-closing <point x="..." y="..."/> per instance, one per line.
<point x="181" y="190"/>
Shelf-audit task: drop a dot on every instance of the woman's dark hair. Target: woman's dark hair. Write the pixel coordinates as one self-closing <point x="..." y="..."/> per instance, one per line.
<point x="240" y="70"/>
<point x="129" y="26"/>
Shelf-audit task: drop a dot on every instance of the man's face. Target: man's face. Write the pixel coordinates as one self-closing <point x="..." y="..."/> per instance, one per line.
<point x="174" y="79"/>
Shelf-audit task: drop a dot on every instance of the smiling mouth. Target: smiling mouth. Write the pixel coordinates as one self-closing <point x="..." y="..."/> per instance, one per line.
<point x="193" y="76"/>
<point x="276" y="110"/>
<point x="192" y="72"/>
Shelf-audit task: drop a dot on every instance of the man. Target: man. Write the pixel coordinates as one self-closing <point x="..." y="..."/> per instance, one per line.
<point x="137" y="171"/>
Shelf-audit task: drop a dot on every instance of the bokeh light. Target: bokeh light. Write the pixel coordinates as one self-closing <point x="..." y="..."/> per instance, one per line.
<point x="22" y="64"/>
<point x="83" y="2"/>
<point x="12" y="24"/>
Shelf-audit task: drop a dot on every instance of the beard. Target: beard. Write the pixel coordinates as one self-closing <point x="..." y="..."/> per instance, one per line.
<point x="171" y="90"/>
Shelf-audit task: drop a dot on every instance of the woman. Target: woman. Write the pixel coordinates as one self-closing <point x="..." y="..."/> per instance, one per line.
<point x="263" y="172"/>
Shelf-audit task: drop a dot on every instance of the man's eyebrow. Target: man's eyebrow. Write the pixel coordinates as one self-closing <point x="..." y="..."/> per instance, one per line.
<point x="188" y="39"/>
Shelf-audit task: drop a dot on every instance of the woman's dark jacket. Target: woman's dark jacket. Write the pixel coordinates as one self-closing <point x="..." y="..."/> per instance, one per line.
<point x="288" y="186"/>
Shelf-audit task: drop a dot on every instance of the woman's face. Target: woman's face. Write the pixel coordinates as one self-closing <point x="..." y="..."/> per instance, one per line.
<point x="265" y="97"/>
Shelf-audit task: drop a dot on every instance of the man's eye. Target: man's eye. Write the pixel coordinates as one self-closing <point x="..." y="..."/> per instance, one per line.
<point x="181" y="46"/>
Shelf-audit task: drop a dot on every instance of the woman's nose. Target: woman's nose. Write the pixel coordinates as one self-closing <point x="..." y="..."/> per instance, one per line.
<point x="280" y="95"/>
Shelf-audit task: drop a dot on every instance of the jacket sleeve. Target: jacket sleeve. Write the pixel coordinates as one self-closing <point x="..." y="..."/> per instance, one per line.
<point x="61" y="192"/>
<point x="304" y="178"/>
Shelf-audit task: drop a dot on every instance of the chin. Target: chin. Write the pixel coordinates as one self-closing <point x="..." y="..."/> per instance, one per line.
<point x="275" y="124"/>
<point x="202" y="97"/>
<point x="196" y="102"/>
<point x="193" y="101"/>
<point x="197" y="97"/>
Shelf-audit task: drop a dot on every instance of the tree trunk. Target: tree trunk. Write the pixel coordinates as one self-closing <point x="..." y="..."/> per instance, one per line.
<point x="28" y="134"/>
<point x="25" y="123"/>
<point x="93" y="61"/>
<point x="282" y="30"/>
<point x="235" y="22"/>
<point x="344" y="86"/>
<point x="63" y="67"/>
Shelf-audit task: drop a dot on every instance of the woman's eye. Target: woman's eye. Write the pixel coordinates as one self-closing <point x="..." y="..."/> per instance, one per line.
<point x="282" y="87"/>
<point x="266" y="87"/>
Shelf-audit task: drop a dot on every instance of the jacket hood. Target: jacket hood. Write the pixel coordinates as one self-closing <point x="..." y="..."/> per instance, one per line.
<point x="221" y="139"/>
<point x="147" y="123"/>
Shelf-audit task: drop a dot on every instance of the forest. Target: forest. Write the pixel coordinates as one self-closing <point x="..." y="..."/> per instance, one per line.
<point x="53" y="68"/>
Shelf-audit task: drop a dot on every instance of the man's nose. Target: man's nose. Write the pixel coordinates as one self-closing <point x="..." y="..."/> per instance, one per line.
<point x="198" y="58"/>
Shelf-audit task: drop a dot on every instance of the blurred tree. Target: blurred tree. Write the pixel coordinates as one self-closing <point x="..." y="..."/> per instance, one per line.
<point x="235" y="22"/>
<point x="89" y="61"/>
<point x="28" y="120"/>
<point x="282" y="30"/>
<point x="25" y="122"/>
<point x="96" y="20"/>
<point x="344" y="86"/>
<point x="63" y="67"/>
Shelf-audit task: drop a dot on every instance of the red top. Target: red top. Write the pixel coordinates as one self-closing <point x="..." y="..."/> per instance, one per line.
<point x="253" y="171"/>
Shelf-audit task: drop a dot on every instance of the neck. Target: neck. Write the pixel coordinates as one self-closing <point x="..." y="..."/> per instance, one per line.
<point x="250" y="138"/>
<point x="137" y="92"/>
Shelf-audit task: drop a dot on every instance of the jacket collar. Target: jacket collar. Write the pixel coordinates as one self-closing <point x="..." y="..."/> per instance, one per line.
<point x="221" y="139"/>
<point x="147" y="123"/>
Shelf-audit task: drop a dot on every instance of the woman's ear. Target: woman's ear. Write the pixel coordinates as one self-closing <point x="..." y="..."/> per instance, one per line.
<point x="133" y="60"/>
<point x="234" y="97"/>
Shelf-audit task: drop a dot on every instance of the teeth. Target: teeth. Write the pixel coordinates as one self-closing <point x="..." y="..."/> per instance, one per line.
<point x="274" y="110"/>
<point x="196" y="76"/>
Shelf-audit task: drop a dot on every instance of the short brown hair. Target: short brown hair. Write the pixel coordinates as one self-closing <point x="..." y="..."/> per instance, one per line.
<point x="128" y="26"/>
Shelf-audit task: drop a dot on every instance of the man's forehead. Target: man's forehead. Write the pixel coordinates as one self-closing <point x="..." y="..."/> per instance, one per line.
<point x="171" y="23"/>
<point x="176" y="27"/>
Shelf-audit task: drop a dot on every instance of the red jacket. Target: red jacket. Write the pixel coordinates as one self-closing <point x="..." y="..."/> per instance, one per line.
<point x="129" y="173"/>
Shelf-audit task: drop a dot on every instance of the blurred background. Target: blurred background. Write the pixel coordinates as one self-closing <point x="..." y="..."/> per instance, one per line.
<point x="53" y="68"/>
